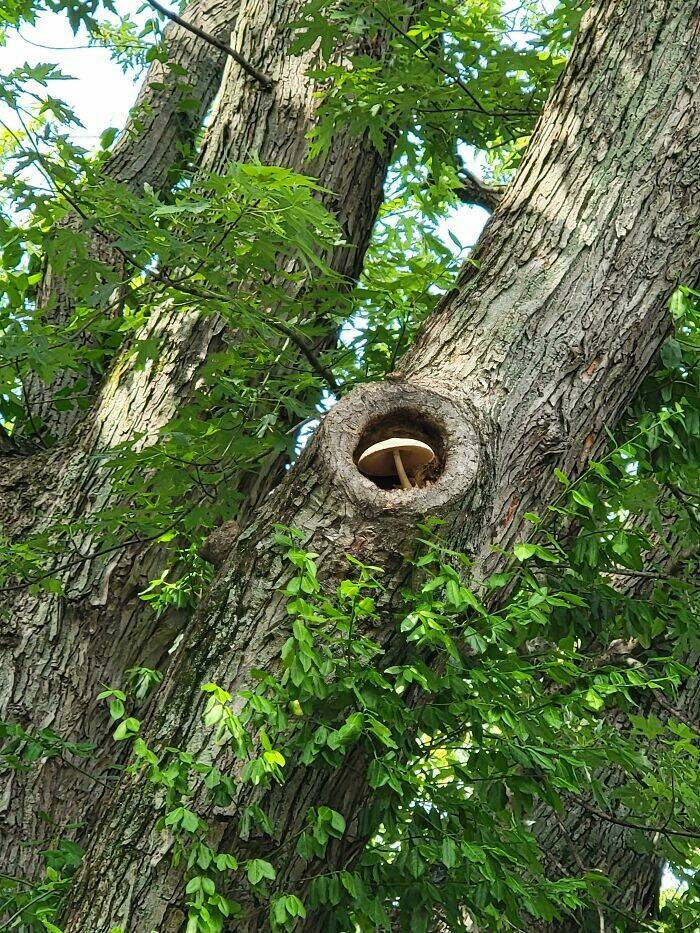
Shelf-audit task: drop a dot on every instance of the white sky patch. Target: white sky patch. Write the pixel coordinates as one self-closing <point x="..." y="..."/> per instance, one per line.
<point x="100" y="92"/>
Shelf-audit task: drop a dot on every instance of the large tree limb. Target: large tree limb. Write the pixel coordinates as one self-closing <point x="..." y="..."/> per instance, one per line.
<point x="475" y="191"/>
<point x="60" y="648"/>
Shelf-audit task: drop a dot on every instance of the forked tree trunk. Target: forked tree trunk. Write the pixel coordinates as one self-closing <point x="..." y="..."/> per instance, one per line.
<point x="541" y="344"/>
<point x="58" y="650"/>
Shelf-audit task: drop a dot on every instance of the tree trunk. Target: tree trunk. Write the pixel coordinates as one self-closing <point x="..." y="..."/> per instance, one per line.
<point x="157" y="135"/>
<point x="628" y="859"/>
<point x="542" y="343"/>
<point x="59" y="649"/>
<point x="581" y="840"/>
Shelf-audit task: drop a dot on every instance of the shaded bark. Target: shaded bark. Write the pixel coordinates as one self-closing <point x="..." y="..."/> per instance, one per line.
<point x="154" y="143"/>
<point x="543" y="342"/>
<point x="59" y="649"/>
<point x="581" y="839"/>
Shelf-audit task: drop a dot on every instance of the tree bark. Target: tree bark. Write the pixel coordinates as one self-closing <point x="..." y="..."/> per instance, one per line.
<point x="581" y="840"/>
<point x="473" y="190"/>
<point x="59" y="649"/>
<point x="541" y="344"/>
<point x="149" y="151"/>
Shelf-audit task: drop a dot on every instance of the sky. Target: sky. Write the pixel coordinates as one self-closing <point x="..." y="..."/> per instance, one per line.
<point x="100" y="92"/>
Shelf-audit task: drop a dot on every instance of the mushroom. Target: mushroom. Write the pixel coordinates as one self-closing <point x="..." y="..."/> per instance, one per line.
<point x="397" y="456"/>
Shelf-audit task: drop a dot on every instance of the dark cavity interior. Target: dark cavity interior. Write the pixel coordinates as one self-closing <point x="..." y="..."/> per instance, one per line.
<point x="405" y="422"/>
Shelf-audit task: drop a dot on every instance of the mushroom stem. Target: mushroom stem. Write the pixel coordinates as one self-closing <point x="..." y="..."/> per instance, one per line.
<point x="405" y="481"/>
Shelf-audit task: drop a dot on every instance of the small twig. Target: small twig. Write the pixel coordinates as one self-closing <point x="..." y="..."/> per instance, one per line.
<point x="672" y="808"/>
<point x="678" y="714"/>
<point x="643" y="827"/>
<point x="500" y="113"/>
<point x="15" y="880"/>
<point x="397" y="345"/>
<point x="682" y="493"/>
<point x="18" y="913"/>
<point x="76" y="562"/>
<point x="165" y="279"/>
<point x="308" y="351"/>
<point x="575" y="852"/>
<point x="8" y="443"/>
<point x="263" y="80"/>
<point x="642" y="574"/>
<point x="28" y="408"/>
<point x="72" y="764"/>
<point x="301" y="342"/>
<point x="421" y="51"/>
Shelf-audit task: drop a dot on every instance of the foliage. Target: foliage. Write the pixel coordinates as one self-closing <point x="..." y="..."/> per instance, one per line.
<point x="455" y="71"/>
<point x="509" y="697"/>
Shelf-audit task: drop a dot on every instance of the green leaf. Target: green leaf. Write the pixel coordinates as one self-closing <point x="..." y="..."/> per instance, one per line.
<point x="579" y="497"/>
<point x="448" y="852"/>
<point x="257" y="869"/>
<point x="594" y="700"/>
<point x="524" y="551"/>
<point x="126" y="729"/>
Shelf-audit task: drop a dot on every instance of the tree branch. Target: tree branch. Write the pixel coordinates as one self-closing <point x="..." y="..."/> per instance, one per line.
<point x="263" y="80"/>
<point x="475" y="191"/>
<point x="643" y="827"/>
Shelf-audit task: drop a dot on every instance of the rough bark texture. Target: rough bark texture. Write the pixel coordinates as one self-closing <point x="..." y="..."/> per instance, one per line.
<point x="516" y="373"/>
<point x="58" y="650"/>
<point x="580" y="840"/>
<point x="158" y="130"/>
<point x="156" y="138"/>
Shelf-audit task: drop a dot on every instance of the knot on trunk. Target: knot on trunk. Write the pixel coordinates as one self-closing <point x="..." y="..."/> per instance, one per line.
<point x="219" y="544"/>
<point x="399" y="414"/>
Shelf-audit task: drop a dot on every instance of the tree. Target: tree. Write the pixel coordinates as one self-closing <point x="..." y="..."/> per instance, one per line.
<point x="517" y="372"/>
<point x="499" y="415"/>
<point x="86" y="503"/>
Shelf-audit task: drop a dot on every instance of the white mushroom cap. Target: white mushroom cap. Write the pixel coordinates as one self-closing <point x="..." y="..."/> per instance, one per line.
<point x="378" y="460"/>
